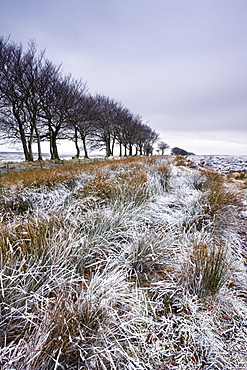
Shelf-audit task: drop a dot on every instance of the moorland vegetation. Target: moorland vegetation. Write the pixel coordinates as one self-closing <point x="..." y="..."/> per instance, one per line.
<point x="128" y="264"/>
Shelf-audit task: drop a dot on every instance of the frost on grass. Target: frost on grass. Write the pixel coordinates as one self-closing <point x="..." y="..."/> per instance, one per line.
<point x="136" y="265"/>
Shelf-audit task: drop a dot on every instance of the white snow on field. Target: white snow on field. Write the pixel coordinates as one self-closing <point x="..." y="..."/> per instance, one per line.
<point x="223" y="163"/>
<point x="7" y="157"/>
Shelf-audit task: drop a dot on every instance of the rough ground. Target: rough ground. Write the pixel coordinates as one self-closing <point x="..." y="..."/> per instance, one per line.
<point x="242" y="231"/>
<point x="235" y="166"/>
<point x="38" y="165"/>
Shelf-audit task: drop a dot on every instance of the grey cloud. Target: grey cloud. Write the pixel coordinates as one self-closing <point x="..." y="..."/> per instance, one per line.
<point x="180" y="64"/>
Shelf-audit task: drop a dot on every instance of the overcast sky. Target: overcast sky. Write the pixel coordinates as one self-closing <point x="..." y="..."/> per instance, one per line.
<point x="180" y="64"/>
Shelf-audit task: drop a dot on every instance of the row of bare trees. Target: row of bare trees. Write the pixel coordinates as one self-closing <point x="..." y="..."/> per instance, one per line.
<point x="38" y="103"/>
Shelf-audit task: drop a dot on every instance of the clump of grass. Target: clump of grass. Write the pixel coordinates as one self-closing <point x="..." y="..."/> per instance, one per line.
<point x="221" y="202"/>
<point x="133" y="183"/>
<point x="215" y="206"/>
<point x="22" y="240"/>
<point x="207" y="268"/>
<point x="129" y="184"/>
<point x="147" y="256"/>
<point x="198" y="180"/>
<point x="90" y="324"/>
<point x="74" y="324"/>
<point x="31" y="262"/>
<point x="15" y="200"/>
<point x="101" y="186"/>
<point x="31" y="239"/>
<point x="241" y="175"/>
<point x="164" y="171"/>
<point x="183" y="161"/>
<point x="185" y="336"/>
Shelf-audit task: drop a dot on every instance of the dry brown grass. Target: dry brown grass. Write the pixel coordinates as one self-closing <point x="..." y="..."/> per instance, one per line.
<point x="64" y="171"/>
<point x="47" y="177"/>
<point x="221" y="200"/>
<point x="183" y="161"/>
<point x="207" y="268"/>
<point x="164" y="171"/>
<point x="126" y="184"/>
<point x="27" y="240"/>
<point x="102" y="186"/>
<point x="218" y="205"/>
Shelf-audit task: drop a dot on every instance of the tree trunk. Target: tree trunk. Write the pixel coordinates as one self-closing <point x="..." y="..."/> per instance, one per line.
<point x="54" y="147"/>
<point x="50" y="138"/>
<point x="108" y="147"/>
<point x="120" y="150"/>
<point x="53" y="144"/>
<point x="30" y="142"/>
<point x="16" y="113"/>
<point x="84" y="147"/>
<point x="76" y="143"/>
<point x="112" y="147"/>
<point x="51" y="150"/>
<point x="38" y="143"/>
<point x="24" y="141"/>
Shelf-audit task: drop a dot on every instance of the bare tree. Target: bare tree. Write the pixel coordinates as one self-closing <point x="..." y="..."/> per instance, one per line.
<point x="82" y="124"/>
<point x="32" y="87"/>
<point x="59" y="105"/>
<point x="151" y="138"/>
<point x="38" y="103"/>
<point x="130" y="134"/>
<point x="106" y="123"/>
<point x="125" y="119"/>
<point x="163" y="147"/>
<point x="21" y="95"/>
<point x="143" y="133"/>
<point x="133" y="133"/>
<point x="14" y="121"/>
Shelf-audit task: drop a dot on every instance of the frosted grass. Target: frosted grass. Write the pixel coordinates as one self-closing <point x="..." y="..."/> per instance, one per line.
<point x="114" y="277"/>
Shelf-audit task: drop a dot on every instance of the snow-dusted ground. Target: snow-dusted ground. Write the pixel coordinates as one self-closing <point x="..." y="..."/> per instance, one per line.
<point x="6" y="157"/>
<point x="223" y="163"/>
<point x="129" y="265"/>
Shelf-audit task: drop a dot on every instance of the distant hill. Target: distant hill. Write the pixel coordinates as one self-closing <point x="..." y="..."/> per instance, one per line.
<point x="178" y="151"/>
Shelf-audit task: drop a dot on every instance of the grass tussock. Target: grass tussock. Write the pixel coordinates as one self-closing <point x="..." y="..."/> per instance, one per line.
<point x="164" y="170"/>
<point x="129" y="185"/>
<point x="207" y="268"/>
<point x="129" y="264"/>
<point x="183" y="161"/>
<point x="216" y="206"/>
